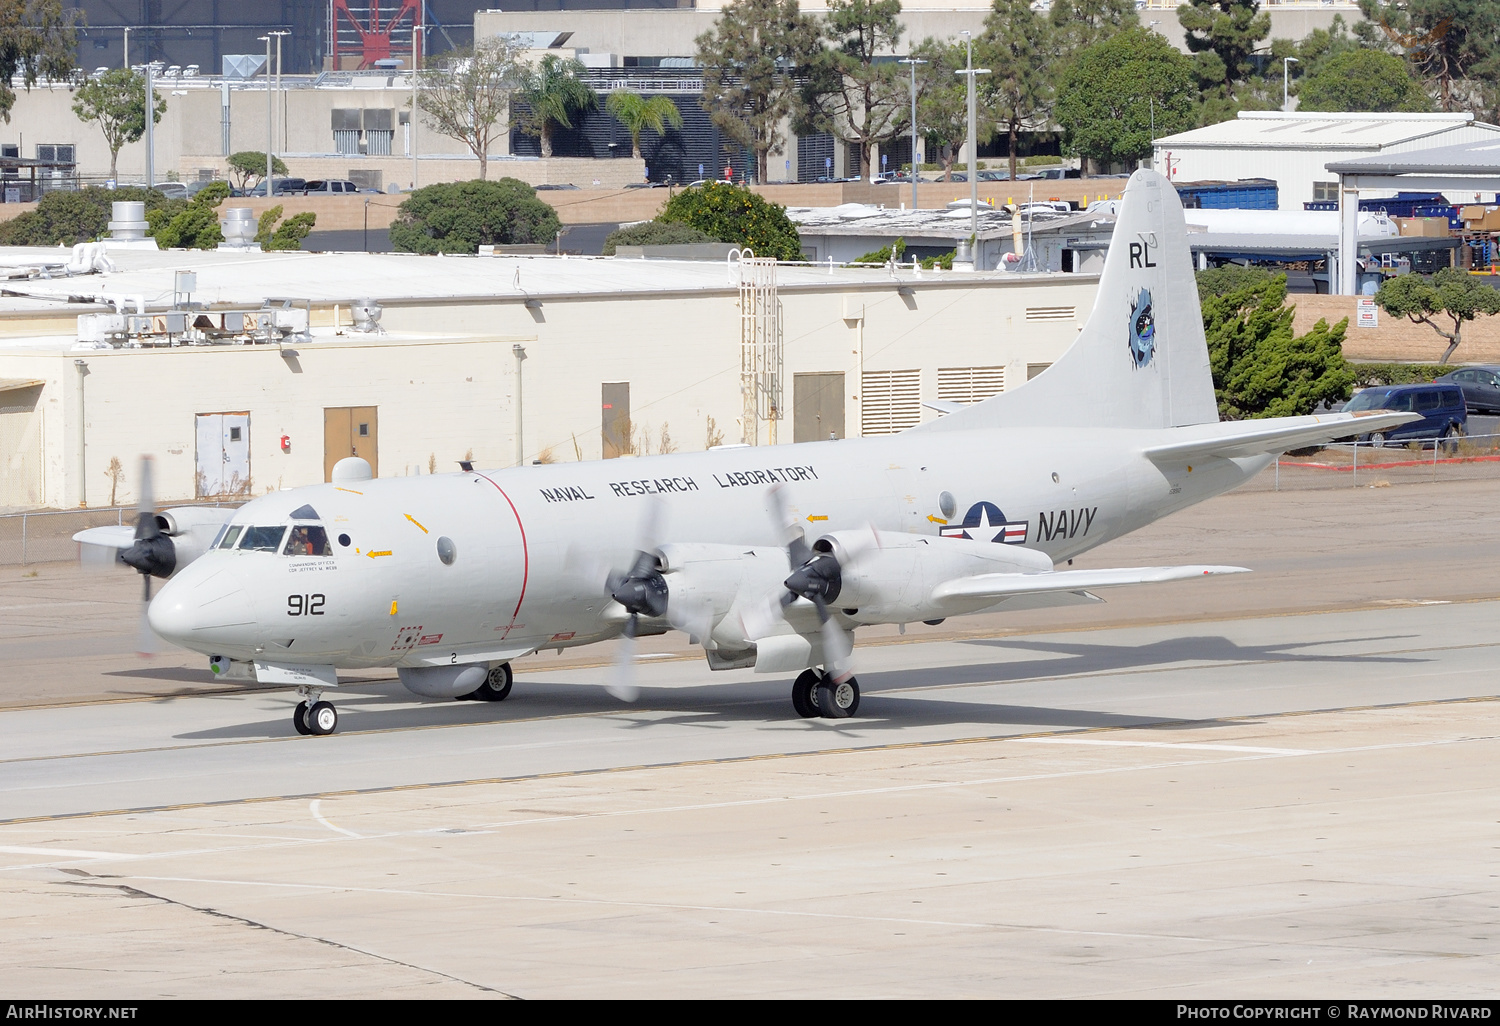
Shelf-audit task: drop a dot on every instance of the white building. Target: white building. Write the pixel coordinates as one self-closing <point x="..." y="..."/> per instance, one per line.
<point x="1294" y="149"/>
<point x="498" y="359"/>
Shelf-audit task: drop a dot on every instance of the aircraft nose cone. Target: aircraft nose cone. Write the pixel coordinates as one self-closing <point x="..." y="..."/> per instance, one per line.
<point x="201" y="612"/>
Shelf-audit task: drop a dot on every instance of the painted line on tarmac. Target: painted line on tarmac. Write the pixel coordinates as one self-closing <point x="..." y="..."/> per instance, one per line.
<point x="773" y="756"/>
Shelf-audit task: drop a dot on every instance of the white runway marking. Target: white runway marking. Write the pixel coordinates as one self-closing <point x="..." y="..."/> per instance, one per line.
<point x="1166" y="744"/>
<point x="62" y="853"/>
<point x="315" y="807"/>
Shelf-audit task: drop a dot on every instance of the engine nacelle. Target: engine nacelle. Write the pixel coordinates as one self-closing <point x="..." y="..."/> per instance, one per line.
<point x="889" y="578"/>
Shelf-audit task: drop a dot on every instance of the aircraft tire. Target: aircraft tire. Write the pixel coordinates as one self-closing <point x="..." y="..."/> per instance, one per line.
<point x="803" y="699"/>
<point x="837" y="701"/>
<point x="299" y="719"/>
<point x="323" y="719"/>
<point x="496" y="686"/>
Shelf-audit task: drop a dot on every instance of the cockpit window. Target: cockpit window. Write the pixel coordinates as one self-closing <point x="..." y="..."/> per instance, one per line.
<point x="262" y="539"/>
<point x="305" y="512"/>
<point x="232" y="535"/>
<point x="307" y="541"/>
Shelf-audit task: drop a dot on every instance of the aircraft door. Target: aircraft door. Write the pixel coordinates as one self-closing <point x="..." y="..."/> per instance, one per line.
<point x="223" y="454"/>
<point x="817" y="406"/>
<point x="351" y="431"/>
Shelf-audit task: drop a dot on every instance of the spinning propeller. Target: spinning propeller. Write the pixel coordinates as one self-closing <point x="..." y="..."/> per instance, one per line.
<point x="817" y="577"/>
<point x="152" y="554"/>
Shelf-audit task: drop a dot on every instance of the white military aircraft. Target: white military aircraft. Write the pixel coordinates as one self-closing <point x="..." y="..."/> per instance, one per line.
<point x="768" y="557"/>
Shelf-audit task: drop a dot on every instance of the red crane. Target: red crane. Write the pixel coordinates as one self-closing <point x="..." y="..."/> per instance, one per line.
<point x="381" y="29"/>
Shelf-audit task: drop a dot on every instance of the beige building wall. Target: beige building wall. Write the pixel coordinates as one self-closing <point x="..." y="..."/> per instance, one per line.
<point x="441" y="398"/>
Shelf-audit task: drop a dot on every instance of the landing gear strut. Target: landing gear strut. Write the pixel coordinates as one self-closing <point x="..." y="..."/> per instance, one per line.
<point x="815" y="693"/>
<point x="313" y="715"/>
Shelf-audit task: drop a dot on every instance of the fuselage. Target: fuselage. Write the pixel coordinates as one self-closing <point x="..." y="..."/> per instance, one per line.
<point x="477" y="566"/>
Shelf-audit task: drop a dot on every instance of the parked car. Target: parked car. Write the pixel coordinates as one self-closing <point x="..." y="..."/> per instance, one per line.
<point x="171" y="190"/>
<point x="327" y="186"/>
<point x="1445" y="416"/>
<point x="283" y="187"/>
<point x="1481" y="387"/>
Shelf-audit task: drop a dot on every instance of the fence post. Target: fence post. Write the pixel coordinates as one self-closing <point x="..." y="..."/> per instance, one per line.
<point x="1354" y="477"/>
<point x="1278" y="472"/>
<point x="23" y="539"/>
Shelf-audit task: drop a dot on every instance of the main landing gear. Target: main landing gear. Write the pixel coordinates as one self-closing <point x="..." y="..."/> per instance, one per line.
<point x="313" y="715"/>
<point x="816" y="693"/>
<point x="495" y="687"/>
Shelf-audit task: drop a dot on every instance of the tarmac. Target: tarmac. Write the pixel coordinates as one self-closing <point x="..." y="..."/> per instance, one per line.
<point x="1275" y="785"/>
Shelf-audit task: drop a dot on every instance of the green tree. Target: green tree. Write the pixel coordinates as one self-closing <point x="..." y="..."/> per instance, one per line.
<point x="466" y="93"/>
<point x="1112" y="91"/>
<point x="942" y="103"/>
<point x="248" y="167"/>
<point x="116" y="102"/>
<point x="750" y="60"/>
<point x="1454" y="45"/>
<point x="850" y="91"/>
<point x="37" y="40"/>
<point x="192" y="225"/>
<point x="654" y="233"/>
<point x="1017" y="46"/>
<point x="1362" y="80"/>
<point x="286" y="235"/>
<point x="67" y="218"/>
<point x="1260" y="368"/>
<point x="554" y="92"/>
<point x="637" y="114"/>
<point x="733" y="214"/>
<point x="459" y="217"/>
<point x="1450" y="293"/>
<point x="1080" y="24"/>
<point x="1222" y="34"/>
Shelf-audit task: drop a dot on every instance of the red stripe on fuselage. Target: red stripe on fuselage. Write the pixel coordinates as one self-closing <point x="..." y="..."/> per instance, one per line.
<point x="525" y="554"/>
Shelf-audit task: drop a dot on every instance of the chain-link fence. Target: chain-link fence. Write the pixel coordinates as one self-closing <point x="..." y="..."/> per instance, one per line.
<point x="1368" y="465"/>
<point x="47" y="537"/>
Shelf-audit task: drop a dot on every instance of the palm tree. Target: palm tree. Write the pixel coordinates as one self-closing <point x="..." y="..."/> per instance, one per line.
<point x="554" y="90"/>
<point x="637" y="114"/>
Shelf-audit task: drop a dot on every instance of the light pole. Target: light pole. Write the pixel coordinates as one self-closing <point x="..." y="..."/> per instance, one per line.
<point x="278" y="34"/>
<point x="969" y="72"/>
<point x="418" y="24"/>
<point x="913" y="61"/>
<point x="1286" y="63"/>
<point x="150" y="118"/>
<point x="270" y="120"/>
<point x="127" y="45"/>
<point x="520" y="352"/>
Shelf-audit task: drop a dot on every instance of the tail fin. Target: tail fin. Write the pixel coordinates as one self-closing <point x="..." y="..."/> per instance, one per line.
<point x="1141" y="360"/>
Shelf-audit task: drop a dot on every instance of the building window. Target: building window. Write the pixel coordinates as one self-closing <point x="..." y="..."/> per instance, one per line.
<point x="54" y="153"/>
<point x="969" y="385"/>
<point x="1325" y="191"/>
<point x="890" y="401"/>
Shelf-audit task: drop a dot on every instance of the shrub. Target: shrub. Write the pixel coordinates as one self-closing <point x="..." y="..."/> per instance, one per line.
<point x="68" y="218"/>
<point x="655" y="233"/>
<point x="731" y="213"/>
<point x="459" y="217"/>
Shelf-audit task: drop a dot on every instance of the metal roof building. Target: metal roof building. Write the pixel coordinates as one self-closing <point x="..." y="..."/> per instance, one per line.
<point x="1294" y="149"/>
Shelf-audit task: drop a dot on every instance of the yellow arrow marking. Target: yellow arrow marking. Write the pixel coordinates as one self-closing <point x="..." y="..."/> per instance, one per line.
<point x="336" y="488"/>
<point x="811" y="517"/>
<point x="372" y="555"/>
<point x="408" y="515"/>
<point x="935" y="520"/>
<point x="393" y="601"/>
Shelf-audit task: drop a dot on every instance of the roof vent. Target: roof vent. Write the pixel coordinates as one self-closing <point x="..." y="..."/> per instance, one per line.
<point x="366" y="313"/>
<point x="129" y="224"/>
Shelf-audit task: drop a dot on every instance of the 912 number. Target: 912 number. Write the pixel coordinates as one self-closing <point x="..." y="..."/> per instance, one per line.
<point x="304" y="605"/>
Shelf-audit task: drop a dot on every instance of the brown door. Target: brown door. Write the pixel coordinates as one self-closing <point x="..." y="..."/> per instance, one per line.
<point x="817" y="406"/>
<point x="614" y="418"/>
<point x="350" y="431"/>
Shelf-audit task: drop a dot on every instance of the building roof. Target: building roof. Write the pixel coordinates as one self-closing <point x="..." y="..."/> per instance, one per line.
<point x="1473" y="158"/>
<point x="1277" y="130"/>
<point x="37" y="278"/>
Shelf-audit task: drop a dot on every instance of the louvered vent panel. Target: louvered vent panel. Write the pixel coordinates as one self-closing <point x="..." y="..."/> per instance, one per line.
<point x="969" y="384"/>
<point x="890" y="401"/>
<point x="1051" y="313"/>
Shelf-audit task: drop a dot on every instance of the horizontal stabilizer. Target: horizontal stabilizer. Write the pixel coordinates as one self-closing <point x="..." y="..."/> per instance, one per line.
<point x="1264" y="437"/>
<point x="941" y="405"/>
<point x="999" y="586"/>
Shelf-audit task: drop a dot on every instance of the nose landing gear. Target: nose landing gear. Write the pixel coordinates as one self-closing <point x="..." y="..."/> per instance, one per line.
<point x="313" y="715"/>
<point x="816" y="693"/>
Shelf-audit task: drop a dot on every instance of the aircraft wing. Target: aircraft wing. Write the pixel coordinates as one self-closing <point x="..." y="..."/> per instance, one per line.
<point x="941" y="405"/>
<point x="1000" y="586"/>
<point x="1263" y="437"/>
<point x="111" y="537"/>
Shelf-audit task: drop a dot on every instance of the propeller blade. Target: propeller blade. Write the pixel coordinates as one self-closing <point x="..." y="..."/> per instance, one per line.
<point x="146" y="643"/>
<point x="621" y="682"/>
<point x="146" y="526"/>
<point x="837" y="651"/>
<point x="792" y="535"/>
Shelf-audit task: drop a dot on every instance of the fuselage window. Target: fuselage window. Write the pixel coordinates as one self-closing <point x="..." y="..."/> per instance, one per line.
<point x="233" y="534"/>
<point x="307" y="541"/>
<point x="263" y="539"/>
